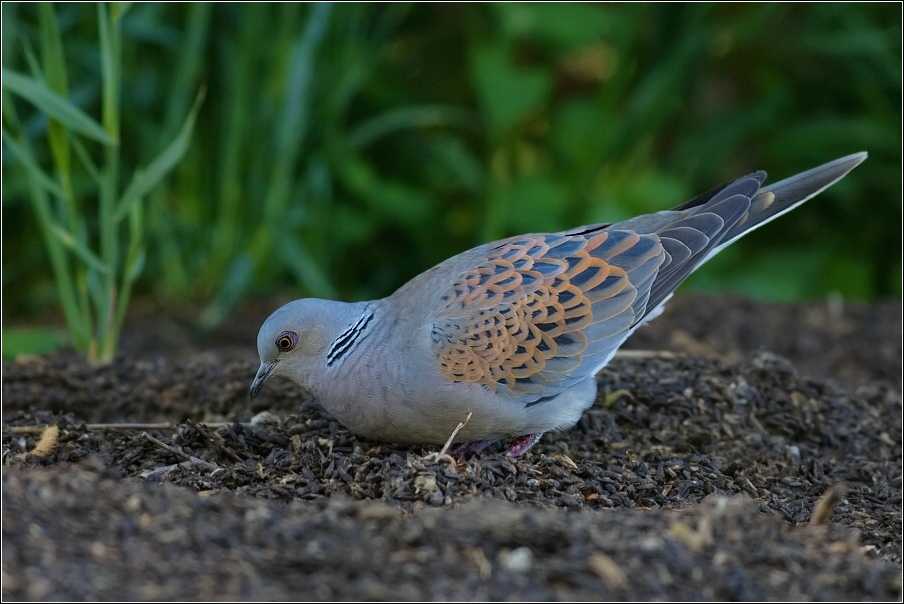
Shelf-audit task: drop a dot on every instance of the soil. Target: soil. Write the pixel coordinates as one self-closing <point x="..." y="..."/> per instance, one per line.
<point x="750" y="452"/>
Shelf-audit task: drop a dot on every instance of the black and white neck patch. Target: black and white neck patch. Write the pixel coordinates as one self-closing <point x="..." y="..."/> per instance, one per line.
<point x="349" y="339"/>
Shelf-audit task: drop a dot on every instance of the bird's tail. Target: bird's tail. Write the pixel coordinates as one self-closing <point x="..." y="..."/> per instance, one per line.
<point x="772" y="201"/>
<point x="696" y="231"/>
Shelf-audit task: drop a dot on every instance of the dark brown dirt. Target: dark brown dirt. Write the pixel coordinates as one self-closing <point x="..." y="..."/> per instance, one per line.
<point x="695" y="476"/>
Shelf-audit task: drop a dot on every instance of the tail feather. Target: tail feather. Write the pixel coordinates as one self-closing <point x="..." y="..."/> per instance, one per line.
<point x="779" y="198"/>
<point x="719" y="217"/>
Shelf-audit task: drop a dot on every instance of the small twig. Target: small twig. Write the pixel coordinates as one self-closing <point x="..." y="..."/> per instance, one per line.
<point x="40" y="429"/>
<point x="448" y="444"/>
<point x="645" y="354"/>
<point x="216" y="440"/>
<point x="147" y="474"/>
<point x="180" y="454"/>
<point x="163" y="445"/>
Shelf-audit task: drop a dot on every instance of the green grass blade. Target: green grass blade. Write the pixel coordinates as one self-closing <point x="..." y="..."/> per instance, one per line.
<point x="406" y="118"/>
<point x="235" y="284"/>
<point x="110" y="62"/>
<point x="85" y="158"/>
<point x="79" y="249"/>
<point x="103" y="287"/>
<point x="32" y="59"/>
<point x="34" y="170"/>
<point x="77" y="317"/>
<point x="291" y="128"/>
<point x="52" y="49"/>
<point x="189" y="67"/>
<point x="306" y="270"/>
<point x="293" y="122"/>
<point x="55" y="106"/>
<point x="56" y="80"/>
<point x="118" y="10"/>
<point x="134" y="263"/>
<point x="145" y="180"/>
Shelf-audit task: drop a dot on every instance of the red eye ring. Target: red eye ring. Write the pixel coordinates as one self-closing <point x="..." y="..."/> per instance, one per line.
<point x="286" y="341"/>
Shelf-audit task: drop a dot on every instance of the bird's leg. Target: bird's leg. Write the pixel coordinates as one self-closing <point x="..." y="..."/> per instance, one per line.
<point x="518" y="447"/>
<point x="522" y="444"/>
<point x="475" y="446"/>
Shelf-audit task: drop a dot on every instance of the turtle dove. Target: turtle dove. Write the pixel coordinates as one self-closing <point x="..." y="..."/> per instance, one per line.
<point x="514" y="331"/>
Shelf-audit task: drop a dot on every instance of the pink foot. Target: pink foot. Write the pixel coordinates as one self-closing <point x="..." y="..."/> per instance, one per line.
<point x="522" y="444"/>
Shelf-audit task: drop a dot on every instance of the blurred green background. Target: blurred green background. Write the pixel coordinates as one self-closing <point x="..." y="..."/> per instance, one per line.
<point x="342" y="149"/>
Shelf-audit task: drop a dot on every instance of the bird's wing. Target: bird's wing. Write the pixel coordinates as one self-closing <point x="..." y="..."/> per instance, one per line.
<point x="527" y="314"/>
<point x="536" y="314"/>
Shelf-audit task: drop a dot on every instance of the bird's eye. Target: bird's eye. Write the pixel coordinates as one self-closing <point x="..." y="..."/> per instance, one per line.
<point x="286" y="341"/>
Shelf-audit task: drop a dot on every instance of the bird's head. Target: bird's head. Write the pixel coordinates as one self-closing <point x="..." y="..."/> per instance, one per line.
<point x="292" y="341"/>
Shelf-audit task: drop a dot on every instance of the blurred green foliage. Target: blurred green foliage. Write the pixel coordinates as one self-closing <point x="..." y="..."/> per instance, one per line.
<point x="94" y="275"/>
<point x="35" y="340"/>
<point x="342" y="149"/>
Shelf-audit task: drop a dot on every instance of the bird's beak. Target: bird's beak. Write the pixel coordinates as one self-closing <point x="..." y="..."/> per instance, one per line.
<point x="263" y="374"/>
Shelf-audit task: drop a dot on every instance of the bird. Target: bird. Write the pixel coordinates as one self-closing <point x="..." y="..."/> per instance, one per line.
<point x="513" y="332"/>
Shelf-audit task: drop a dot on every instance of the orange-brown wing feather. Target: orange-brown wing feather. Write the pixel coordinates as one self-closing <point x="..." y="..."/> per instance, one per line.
<point x="529" y="311"/>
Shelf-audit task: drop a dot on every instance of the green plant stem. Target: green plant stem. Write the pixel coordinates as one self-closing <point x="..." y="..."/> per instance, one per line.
<point x="111" y="60"/>
<point x="73" y="311"/>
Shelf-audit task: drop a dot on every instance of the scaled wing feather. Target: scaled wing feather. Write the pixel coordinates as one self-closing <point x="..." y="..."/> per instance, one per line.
<point x="524" y="317"/>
